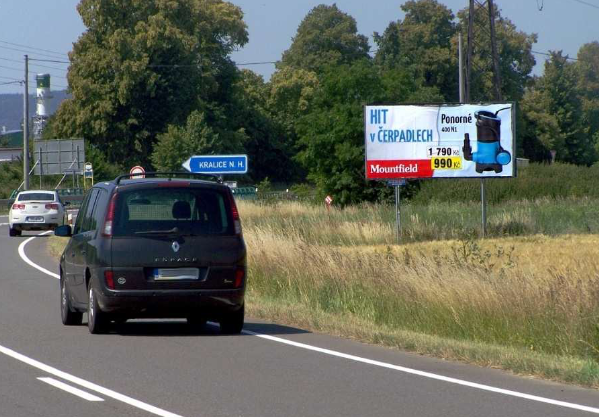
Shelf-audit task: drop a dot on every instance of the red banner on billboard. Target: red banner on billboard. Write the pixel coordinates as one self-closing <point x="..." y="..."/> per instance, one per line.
<point x="382" y="169"/>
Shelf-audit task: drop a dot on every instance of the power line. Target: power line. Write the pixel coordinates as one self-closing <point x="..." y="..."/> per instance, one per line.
<point x="547" y="54"/>
<point x="587" y="3"/>
<point x="33" y="65"/>
<point x="33" y="75"/>
<point x="48" y="60"/>
<point x="242" y="64"/>
<point x="540" y="5"/>
<point x="27" y="52"/>
<point x="20" y="70"/>
<point x="10" y="78"/>
<point x="34" y="48"/>
<point x="11" y="82"/>
<point x="11" y="68"/>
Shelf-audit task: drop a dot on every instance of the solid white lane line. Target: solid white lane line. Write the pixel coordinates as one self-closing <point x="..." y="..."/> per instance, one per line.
<point x="29" y="262"/>
<point x="3" y="224"/>
<point x="86" y="384"/>
<point x="394" y="367"/>
<point x="426" y="374"/>
<point x="75" y="391"/>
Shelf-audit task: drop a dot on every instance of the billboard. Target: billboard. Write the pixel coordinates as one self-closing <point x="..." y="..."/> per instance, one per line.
<point x="60" y="156"/>
<point x="440" y="141"/>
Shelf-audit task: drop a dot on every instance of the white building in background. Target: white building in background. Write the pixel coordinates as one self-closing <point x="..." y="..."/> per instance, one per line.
<point x="42" y="108"/>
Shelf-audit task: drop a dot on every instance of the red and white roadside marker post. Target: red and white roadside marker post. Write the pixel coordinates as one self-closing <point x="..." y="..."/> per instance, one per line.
<point x="328" y="201"/>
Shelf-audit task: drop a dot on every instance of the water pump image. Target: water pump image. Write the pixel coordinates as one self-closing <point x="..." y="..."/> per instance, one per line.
<point x="490" y="156"/>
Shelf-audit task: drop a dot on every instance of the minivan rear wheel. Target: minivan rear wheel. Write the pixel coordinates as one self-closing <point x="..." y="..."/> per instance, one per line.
<point x="97" y="321"/>
<point x="232" y="323"/>
<point x="68" y="315"/>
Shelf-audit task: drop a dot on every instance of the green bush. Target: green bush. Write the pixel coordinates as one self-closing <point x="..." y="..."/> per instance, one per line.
<point x="11" y="176"/>
<point x="533" y="182"/>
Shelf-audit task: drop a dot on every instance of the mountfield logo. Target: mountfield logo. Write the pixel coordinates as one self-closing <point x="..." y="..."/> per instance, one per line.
<point x="390" y="169"/>
<point x="397" y="169"/>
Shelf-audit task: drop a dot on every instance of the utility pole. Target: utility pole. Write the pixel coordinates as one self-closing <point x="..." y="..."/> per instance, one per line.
<point x="26" y="127"/>
<point x="470" y="49"/>
<point x="461" y="68"/>
<point x="496" y="74"/>
<point x="474" y="7"/>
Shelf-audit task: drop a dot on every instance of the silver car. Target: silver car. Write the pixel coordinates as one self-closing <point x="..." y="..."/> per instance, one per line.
<point x="35" y="210"/>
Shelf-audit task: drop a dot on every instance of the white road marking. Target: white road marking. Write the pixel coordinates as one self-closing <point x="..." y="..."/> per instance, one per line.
<point x="75" y="391"/>
<point x="29" y="262"/>
<point x="86" y="384"/>
<point x="385" y="364"/>
<point x="3" y="224"/>
<point x="427" y="374"/>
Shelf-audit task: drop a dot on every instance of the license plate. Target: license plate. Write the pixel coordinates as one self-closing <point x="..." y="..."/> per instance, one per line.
<point x="176" y="274"/>
<point x="35" y="219"/>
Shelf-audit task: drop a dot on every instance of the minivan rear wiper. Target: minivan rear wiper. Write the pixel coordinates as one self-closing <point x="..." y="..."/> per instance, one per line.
<point x="174" y="230"/>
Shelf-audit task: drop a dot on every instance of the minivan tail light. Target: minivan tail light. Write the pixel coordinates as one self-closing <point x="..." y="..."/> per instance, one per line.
<point x="109" y="219"/>
<point x="235" y="215"/>
<point x="52" y="206"/>
<point x="109" y="278"/>
<point x="239" y="276"/>
<point x="18" y="206"/>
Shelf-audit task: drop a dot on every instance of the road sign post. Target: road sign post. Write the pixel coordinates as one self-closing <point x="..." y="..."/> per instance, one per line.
<point x="396" y="184"/>
<point x="88" y="172"/>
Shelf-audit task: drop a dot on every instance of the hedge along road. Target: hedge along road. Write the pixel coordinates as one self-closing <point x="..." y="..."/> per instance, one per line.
<point x="161" y="368"/>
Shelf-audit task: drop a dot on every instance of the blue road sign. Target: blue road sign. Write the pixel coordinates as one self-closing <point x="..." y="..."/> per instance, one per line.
<point x="397" y="182"/>
<point x="217" y="164"/>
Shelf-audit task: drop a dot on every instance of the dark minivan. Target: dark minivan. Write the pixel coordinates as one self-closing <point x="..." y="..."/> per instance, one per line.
<point x="154" y="247"/>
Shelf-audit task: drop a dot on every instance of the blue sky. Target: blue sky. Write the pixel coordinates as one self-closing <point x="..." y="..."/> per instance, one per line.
<point x="53" y="25"/>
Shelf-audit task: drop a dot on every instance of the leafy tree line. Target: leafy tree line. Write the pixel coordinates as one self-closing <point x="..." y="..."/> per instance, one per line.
<point x="152" y="82"/>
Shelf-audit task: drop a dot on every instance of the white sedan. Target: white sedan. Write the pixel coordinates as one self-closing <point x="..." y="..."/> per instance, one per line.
<point x="35" y="210"/>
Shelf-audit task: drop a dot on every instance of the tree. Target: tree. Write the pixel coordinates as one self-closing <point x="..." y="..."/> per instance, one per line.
<point x="331" y="135"/>
<point x="177" y="144"/>
<point x="422" y="43"/>
<point x="290" y="96"/>
<point x="559" y="86"/>
<point x="326" y="36"/>
<point x="267" y="147"/>
<point x="587" y="68"/>
<point x="142" y="65"/>
<point x="540" y="131"/>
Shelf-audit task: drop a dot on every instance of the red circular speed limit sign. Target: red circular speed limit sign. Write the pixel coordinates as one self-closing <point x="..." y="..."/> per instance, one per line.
<point x="137" y="172"/>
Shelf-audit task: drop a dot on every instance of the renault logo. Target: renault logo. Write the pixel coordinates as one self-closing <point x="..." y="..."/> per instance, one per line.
<point x="176" y="247"/>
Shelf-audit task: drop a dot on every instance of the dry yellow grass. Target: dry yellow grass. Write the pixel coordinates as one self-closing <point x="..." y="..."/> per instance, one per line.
<point x="539" y="294"/>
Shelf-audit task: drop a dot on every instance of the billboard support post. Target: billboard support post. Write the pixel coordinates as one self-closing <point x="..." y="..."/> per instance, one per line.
<point x="397" y="213"/>
<point x="483" y="200"/>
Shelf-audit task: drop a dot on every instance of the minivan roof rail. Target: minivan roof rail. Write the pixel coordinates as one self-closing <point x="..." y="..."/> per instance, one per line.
<point x="169" y="175"/>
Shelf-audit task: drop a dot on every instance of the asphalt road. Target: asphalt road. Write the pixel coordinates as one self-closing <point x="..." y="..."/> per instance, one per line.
<point x="146" y="368"/>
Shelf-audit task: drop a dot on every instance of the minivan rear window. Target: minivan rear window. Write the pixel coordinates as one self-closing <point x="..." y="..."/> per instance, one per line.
<point x="172" y="210"/>
<point x="36" y="197"/>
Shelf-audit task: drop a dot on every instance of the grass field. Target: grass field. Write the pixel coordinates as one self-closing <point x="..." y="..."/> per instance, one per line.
<point x="525" y="299"/>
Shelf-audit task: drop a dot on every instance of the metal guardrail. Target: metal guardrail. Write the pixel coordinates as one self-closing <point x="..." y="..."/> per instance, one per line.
<point x="245" y="193"/>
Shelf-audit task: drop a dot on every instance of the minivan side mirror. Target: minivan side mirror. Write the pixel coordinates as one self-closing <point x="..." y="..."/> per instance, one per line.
<point x="63" y="231"/>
